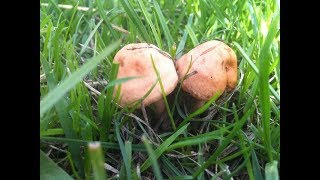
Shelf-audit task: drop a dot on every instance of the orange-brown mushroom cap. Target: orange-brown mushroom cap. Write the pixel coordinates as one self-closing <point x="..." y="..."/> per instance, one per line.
<point x="213" y="68"/>
<point x="135" y="60"/>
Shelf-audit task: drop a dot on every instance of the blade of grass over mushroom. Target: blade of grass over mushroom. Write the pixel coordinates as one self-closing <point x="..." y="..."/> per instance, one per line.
<point x="124" y="154"/>
<point x="108" y="145"/>
<point x="97" y="160"/>
<point x="264" y="65"/>
<point x="58" y="92"/>
<point x="153" y="158"/>
<point x="163" y="94"/>
<point x="148" y="19"/>
<point x="200" y="110"/>
<point x="224" y="143"/>
<point x="163" y="147"/>
<point x="119" y="81"/>
<point x="136" y="104"/>
<point x="175" y="103"/>
<point x="133" y="16"/>
<point x="163" y="23"/>
<point x="50" y="170"/>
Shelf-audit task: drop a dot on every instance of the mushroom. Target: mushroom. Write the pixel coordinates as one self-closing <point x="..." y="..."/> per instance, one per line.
<point x="213" y="68"/>
<point x="135" y="60"/>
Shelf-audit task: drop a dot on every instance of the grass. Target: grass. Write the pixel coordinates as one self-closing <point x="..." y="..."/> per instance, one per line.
<point x="81" y="126"/>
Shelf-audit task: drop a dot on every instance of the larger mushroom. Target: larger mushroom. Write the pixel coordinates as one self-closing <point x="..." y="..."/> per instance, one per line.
<point x="135" y="60"/>
<point x="213" y="68"/>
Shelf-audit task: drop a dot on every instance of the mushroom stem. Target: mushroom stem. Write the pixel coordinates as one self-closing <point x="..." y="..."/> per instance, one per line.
<point x="160" y="107"/>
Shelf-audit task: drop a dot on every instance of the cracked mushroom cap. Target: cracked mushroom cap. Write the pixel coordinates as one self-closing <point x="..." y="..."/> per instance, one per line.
<point x="214" y="67"/>
<point x="135" y="60"/>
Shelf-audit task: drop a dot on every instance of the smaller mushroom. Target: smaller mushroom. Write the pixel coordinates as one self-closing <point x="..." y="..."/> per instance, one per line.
<point x="135" y="60"/>
<point x="213" y="68"/>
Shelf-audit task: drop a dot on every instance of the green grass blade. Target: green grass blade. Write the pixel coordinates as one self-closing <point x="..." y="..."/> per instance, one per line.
<point x="88" y="120"/>
<point x="202" y="138"/>
<point x="108" y="145"/>
<point x="56" y="7"/>
<point x="97" y="160"/>
<point x="256" y="70"/>
<point x="119" y="81"/>
<point x="200" y="161"/>
<point x="109" y="107"/>
<point x="163" y="147"/>
<point x="124" y="154"/>
<point x="84" y="47"/>
<point x="186" y="177"/>
<point x="271" y="171"/>
<point x="256" y="167"/>
<point x="264" y="65"/>
<point x="106" y="20"/>
<point x="163" y="23"/>
<point x="75" y="173"/>
<point x="201" y="109"/>
<point x="133" y="16"/>
<point x="163" y="94"/>
<point x="192" y="35"/>
<point x="153" y="158"/>
<point x="174" y="170"/>
<point x="183" y="41"/>
<point x="52" y="132"/>
<point x="224" y="143"/>
<point x="56" y="94"/>
<point x="64" y="118"/>
<point x="234" y="155"/>
<point x="151" y="25"/>
<point x="128" y="147"/>
<point x="49" y="170"/>
<point x="243" y="146"/>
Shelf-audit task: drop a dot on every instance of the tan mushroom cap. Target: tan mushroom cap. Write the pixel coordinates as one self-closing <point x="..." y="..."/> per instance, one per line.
<point x="135" y="60"/>
<point x="214" y="67"/>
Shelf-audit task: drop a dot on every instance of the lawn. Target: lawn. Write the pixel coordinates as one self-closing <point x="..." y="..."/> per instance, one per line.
<point x="84" y="134"/>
